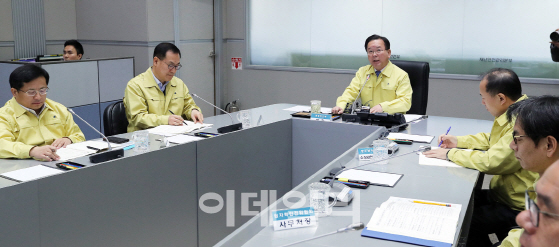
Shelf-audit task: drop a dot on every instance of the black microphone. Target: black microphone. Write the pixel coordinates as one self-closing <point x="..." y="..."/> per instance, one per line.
<point x="104" y="156"/>
<point x="224" y="129"/>
<point x="352" y="117"/>
<point x="354" y="226"/>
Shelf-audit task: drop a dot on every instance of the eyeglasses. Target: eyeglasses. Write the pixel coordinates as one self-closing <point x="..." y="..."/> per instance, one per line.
<point x="534" y="209"/>
<point x="33" y="92"/>
<point x="515" y="138"/>
<point x="177" y="67"/>
<point x="371" y="52"/>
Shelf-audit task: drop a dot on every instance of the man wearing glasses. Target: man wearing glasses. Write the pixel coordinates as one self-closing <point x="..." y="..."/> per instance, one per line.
<point x="32" y="126"/>
<point x="535" y="145"/>
<point x="495" y="209"/>
<point x="386" y="88"/>
<point x="150" y="97"/>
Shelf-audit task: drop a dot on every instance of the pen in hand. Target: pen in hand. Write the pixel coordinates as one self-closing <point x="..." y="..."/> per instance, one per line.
<point x="174" y="114"/>
<point x="445" y="134"/>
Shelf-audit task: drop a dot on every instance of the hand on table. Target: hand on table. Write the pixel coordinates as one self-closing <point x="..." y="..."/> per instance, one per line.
<point x="196" y="116"/>
<point x="61" y="142"/>
<point x="439" y="153"/>
<point x="449" y="141"/>
<point x="47" y="153"/>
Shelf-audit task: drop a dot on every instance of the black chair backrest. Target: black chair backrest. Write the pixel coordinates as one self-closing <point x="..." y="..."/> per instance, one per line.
<point x="419" y="79"/>
<point x="114" y="119"/>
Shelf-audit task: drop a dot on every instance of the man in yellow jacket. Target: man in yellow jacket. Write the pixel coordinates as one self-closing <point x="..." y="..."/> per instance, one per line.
<point x="535" y="145"/>
<point x="494" y="210"/>
<point x="32" y="126"/>
<point x="150" y="97"/>
<point x="386" y="88"/>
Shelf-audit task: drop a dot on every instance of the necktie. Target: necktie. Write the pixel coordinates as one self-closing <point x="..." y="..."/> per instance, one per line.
<point x="377" y="72"/>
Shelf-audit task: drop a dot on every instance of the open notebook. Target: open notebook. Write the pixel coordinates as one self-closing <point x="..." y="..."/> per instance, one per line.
<point x="170" y="130"/>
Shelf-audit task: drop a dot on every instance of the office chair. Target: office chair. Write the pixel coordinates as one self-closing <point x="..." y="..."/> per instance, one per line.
<point x="114" y="119"/>
<point x="419" y="80"/>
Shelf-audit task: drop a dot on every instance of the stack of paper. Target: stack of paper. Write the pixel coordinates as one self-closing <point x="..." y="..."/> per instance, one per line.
<point x="81" y="149"/>
<point x="170" y="130"/>
<point x="30" y="173"/>
<point x="419" y="222"/>
<point x="180" y="139"/>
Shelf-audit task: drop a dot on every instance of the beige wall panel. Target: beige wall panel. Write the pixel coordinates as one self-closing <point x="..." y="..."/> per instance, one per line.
<point x="120" y="20"/>
<point x="60" y="19"/>
<point x="196" y="19"/>
<point x="55" y="49"/>
<point x="160" y="20"/>
<point x="234" y="19"/>
<point x="6" y="53"/>
<point x="104" y="51"/>
<point x="198" y="73"/>
<point x="6" y="25"/>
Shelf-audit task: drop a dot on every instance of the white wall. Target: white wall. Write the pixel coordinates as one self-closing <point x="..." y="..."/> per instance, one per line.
<point x="254" y="88"/>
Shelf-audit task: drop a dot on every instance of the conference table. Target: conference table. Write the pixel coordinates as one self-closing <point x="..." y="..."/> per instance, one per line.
<point x="210" y="191"/>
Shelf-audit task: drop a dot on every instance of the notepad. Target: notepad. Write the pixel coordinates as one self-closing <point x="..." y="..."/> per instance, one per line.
<point x="415" y="138"/>
<point x="414" y="221"/>
<point x="80" y="149"/>
<point x="30" y="173"/>
<point x="375" y="178"/>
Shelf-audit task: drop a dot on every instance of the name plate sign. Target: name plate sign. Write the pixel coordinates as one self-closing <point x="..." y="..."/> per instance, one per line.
<point x="293" y="218"/>
<point x="321" y="116"/>
<point x="365" y="154"/>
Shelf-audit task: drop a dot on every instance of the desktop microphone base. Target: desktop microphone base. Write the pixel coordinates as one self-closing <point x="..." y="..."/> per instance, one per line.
<point x="230" y="128"/>
<point x="348" y="117"/>
<point x="106" y="156"/>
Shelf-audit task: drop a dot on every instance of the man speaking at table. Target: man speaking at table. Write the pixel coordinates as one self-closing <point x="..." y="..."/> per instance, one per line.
<point x="386" y="88"/>
<point x="494" y="210"/>
<point x="150" y="97"/>
<point x="32" y="126"/>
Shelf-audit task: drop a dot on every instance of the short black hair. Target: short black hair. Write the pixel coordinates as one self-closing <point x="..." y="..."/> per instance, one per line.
<point x="26" y="73"/>
<point x="160" y="50"/>
<point x="505" y="81"/>
<point x="374" y="37"/>
<point x="538" y="116"/>
<point x="75" y="44"/>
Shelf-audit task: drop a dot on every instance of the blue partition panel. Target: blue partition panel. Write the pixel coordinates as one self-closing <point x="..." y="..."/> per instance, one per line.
<point x="91" y="114"/>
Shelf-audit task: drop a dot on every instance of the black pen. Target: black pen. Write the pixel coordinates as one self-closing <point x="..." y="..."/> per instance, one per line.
<point x="96" y="149"/>
<point x="182" y="120"/>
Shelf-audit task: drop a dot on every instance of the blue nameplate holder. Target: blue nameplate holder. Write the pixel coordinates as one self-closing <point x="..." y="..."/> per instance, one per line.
<point x="365" y="154"/>
<point x="293" y="218"/>
<point x="321" y="117"/>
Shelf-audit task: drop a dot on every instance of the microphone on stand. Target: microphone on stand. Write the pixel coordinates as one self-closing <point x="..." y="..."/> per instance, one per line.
<point x="224" y="129"/>
<point x="354" y="226"/>
<point x="104" y="156"/>
<point x="352" y="117"/>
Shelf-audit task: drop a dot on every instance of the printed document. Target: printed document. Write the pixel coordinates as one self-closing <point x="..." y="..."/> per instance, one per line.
<point x="421" y="219"/>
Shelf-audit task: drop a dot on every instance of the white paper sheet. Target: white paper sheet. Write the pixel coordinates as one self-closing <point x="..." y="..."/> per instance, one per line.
<point x="299" y="108"/>
<point x="179" y="139"/>
<point x="375" y="178"/>
<point x="31" y="173"/>
<point x="69" y="153"/>
<point x="169" y="130"/>
<point x="423" y="160"/>
<point x="415" y="138"/>
<point x="406" y="217"/>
